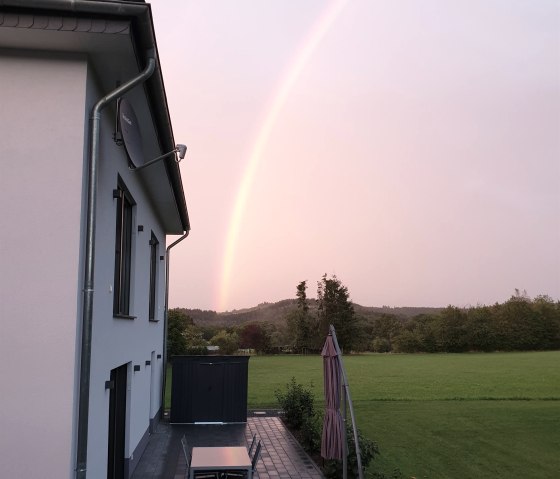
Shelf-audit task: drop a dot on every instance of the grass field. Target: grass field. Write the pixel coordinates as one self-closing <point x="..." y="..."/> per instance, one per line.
<point x="442" y="416"/>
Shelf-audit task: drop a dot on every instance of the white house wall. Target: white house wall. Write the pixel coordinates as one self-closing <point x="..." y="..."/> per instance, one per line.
<point x="41" y="166"/>
<point x="122" y="341"/>
<point x="46" y="101"/>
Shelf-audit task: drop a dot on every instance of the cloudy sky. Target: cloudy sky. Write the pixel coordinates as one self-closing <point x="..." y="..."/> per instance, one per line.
<point x="412" y="148"/>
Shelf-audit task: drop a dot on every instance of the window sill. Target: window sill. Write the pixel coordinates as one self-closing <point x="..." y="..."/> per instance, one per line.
<point x="153" y="320"/>
<point x="123" y="316"/>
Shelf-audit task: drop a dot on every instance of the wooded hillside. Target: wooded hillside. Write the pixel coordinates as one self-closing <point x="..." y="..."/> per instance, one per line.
<point x="276" y="313"/>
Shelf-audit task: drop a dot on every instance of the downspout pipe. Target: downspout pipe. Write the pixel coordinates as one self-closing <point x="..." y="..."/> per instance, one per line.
<point x="165" y="320"/>
<point x="85" y="359"/>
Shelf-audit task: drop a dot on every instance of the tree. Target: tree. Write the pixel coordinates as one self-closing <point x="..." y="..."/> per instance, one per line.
<point x="196" y="344"/>
<point x="515" y="324"/>
<point x="178" y="323"/>
<point x="300" y="321"/>
<point x="227" y="342"/>
<point x="381" y="345"/>
<point x="279" y="337"/>
<point x="427" y="329"/>
<point x="449" y="330"/>
<point x="480" y="330"/>
<point x="408" y="341"/>
<point x="362" y="337"/>
<point x="255" y="336"/>
<point x="548" y="321"/>
<point x="386" y="327"/>
<point x="335" y="307"/>
<point x="302" y="297"/>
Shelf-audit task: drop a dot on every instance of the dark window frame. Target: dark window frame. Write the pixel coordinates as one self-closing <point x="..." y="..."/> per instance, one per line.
<point x="154" y="246"/>
<point x="123" y="251"/>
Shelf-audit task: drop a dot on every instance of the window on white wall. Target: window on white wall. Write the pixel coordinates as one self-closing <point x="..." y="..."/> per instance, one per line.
<point x="154" y="249"/>
<point x="123" y="251"/>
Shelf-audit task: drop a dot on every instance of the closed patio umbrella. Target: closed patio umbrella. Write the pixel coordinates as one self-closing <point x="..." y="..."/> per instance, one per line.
<point x="332" y="441"/>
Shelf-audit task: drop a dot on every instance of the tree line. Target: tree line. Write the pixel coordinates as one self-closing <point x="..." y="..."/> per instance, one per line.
<point x="518" y="324"/>
<point x="184" y="337"/>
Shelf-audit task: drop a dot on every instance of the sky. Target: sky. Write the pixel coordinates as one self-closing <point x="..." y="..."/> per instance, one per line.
<point x="411" y="148"/>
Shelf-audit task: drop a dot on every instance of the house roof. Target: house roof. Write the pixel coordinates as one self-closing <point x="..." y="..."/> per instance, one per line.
<point x="118" y="37"/>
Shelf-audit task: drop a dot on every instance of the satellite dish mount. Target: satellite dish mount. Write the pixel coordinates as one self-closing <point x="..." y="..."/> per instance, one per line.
<point x="127" y="133"/>
<point x="180" y="149"/>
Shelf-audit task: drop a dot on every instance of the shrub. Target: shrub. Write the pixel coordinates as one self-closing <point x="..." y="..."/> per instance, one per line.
<point x="196" y="351"/>
<point x="368" y="450"/>
<point x="226" y="341"/>
<point x="297" y="403"/>
<point x="381" y="345"/>
<point x="311" y="432"/>
<point x="299" y="412"/>
<point x="408" y="342"/>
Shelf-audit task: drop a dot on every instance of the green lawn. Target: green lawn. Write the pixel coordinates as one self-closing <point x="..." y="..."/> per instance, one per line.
<point x="445" y="415"/>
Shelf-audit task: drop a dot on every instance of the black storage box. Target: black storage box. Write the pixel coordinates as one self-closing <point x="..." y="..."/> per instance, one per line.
<point x="209" y="389"/>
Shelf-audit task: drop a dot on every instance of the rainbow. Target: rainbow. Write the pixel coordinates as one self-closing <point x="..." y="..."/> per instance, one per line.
<point x="289" y="79"/>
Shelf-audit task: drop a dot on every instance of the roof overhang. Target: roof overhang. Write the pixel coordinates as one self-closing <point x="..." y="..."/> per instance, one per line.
<point x="117" y="37"/>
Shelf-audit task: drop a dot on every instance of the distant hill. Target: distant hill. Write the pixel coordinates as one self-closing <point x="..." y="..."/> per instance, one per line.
<point x="277" y="313"/>
<point x="402" y="312"/>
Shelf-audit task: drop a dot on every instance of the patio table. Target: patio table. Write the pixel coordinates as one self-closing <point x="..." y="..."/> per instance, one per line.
<point x="229" y="458"/>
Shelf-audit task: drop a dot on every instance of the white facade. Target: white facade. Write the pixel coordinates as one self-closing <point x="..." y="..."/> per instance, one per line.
<point x="41" y="196"/>
<point x="47" y="96"/>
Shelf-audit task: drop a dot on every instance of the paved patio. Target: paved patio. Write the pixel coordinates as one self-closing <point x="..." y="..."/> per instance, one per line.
<point x="281" y="456"/>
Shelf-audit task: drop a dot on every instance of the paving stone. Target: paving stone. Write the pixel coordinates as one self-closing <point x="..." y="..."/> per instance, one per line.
<point x="281" y="456"/>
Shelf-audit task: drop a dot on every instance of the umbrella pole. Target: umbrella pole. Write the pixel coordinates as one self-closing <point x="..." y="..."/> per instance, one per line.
<point x="345" y="455"/>
<point x="347" y="396"/>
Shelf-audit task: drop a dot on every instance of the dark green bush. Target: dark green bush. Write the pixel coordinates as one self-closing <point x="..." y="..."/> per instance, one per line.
<point x="196" y="351"/>
<point x="368" y="450"/>
<point x="299" y="413"/>
<point x="381" y="345"/>
<point x="297" y="403"/>
<point x="311" y="432"/>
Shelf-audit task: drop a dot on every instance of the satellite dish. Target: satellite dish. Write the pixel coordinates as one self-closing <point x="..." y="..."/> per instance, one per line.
<point x="127" y="125"/>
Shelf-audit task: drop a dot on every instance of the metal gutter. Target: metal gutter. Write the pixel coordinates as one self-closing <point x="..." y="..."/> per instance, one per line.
<point x="80" y="6"/>
<point x="85" y="359"/>
<point x="140" y="14"/>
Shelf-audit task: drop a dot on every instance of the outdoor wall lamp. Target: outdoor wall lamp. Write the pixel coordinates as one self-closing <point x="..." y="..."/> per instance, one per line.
<point x="180" y="152"/>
